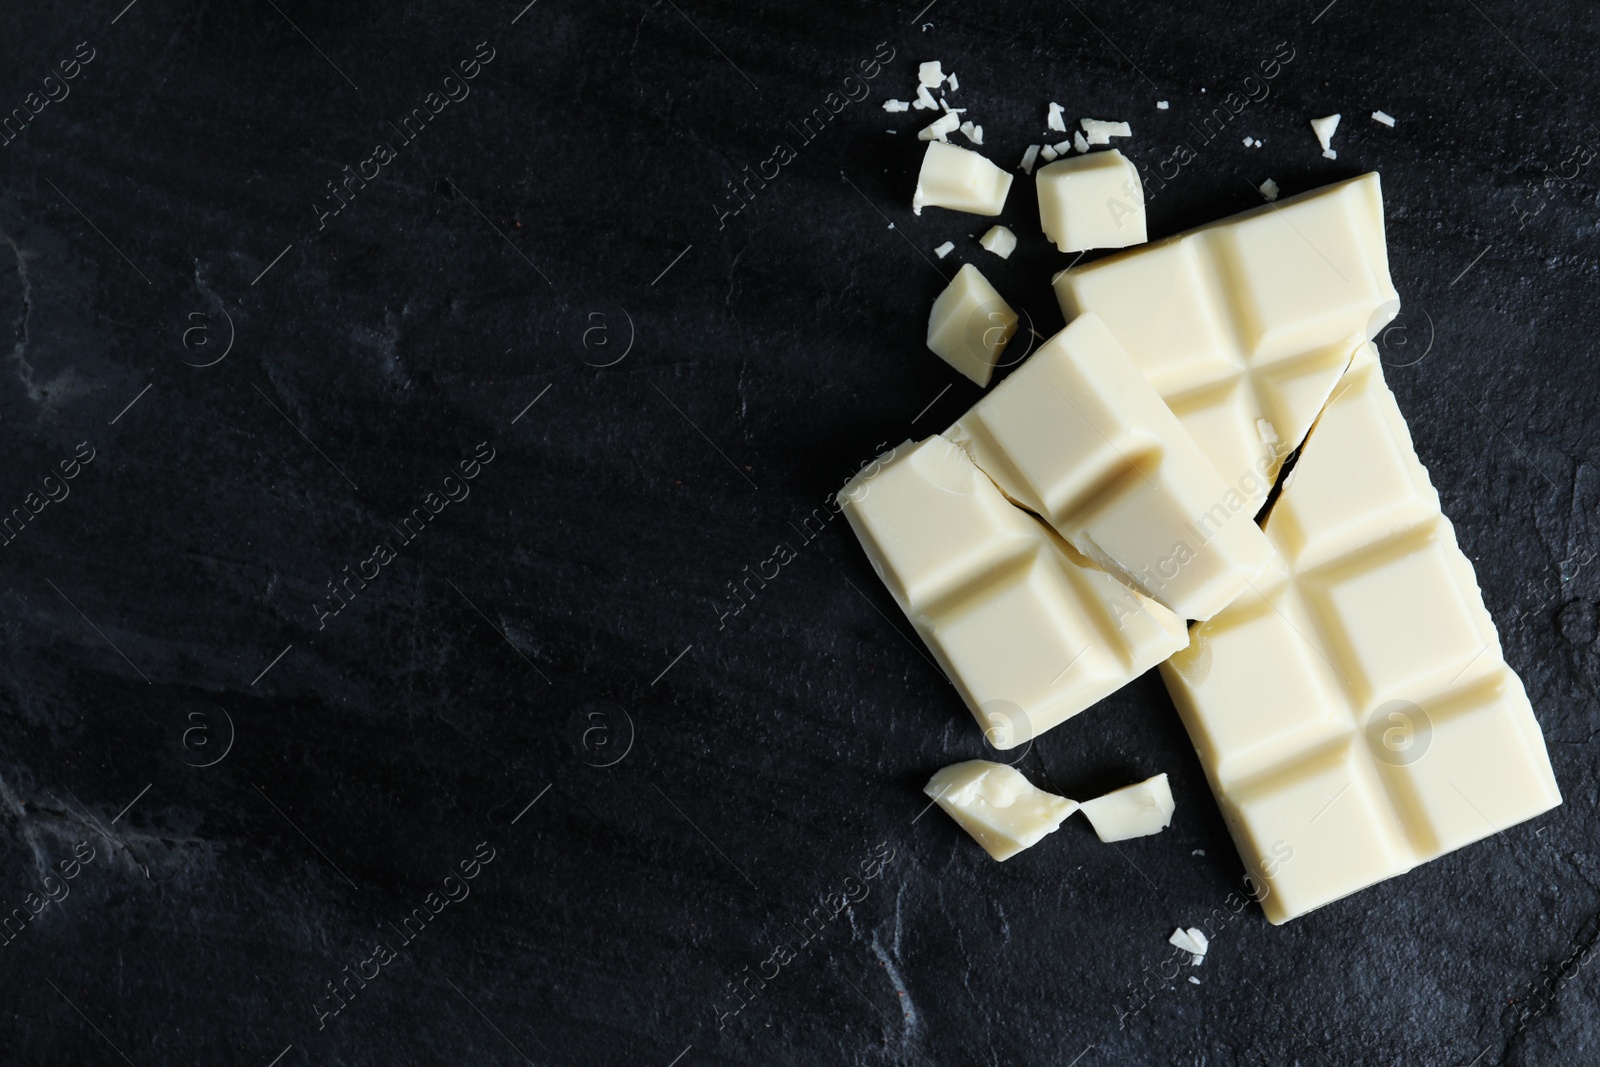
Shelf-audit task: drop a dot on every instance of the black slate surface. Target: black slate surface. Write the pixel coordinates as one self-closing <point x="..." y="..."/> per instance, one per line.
<point x="252" y="792"/>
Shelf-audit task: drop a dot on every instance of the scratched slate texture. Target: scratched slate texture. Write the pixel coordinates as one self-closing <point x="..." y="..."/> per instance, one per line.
<point x="546" y="684"/>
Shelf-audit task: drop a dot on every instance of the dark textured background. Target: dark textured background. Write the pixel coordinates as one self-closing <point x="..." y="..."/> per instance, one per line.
<point x="522" y="639"/>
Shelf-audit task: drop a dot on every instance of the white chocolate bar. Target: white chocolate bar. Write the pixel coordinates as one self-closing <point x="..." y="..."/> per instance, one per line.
<point x="961" y="180"/>
<point x="970" y="325"/>
<point x="1028" y="634"/>
<point x="1244" y="325"/>
<point x="1079" y="437"/>
<point x="1356" y="717"/>
<point x="1092" y="201"/>
<point x="1002" y="810"/>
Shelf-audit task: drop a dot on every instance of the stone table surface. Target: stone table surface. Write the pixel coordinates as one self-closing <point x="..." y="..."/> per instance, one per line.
<point x="373" y="691"/>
